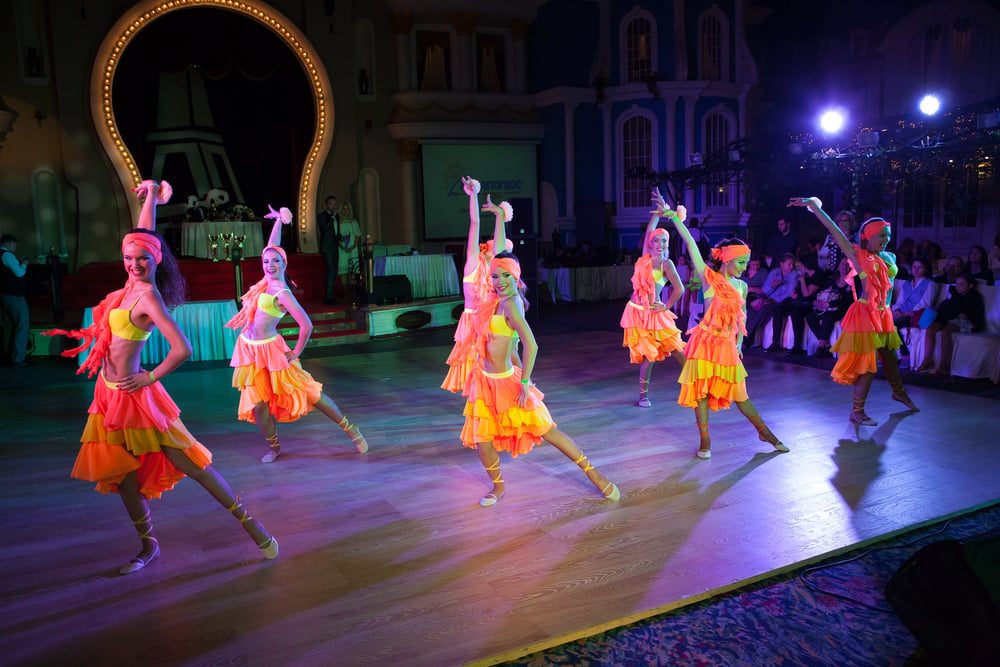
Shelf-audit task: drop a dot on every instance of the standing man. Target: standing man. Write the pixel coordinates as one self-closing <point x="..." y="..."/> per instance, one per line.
<point x="12" y="302"/>
<point x="780" y="244"/>
<point x="328" y="223"/>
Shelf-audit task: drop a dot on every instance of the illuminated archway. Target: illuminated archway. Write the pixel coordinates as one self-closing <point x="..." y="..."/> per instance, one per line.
<point x="145" y="11"/>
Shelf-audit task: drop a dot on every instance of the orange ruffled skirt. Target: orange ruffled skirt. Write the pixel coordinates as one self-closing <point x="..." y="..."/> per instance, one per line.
<point x="492" y="413"/>
<point x="713" y="370"/>
<point x="263" y="375"/>
<point x="127" y="432"/>
<point x="865" y="331"/>
<point x="650" y="335"/>
<point x="459" y="364"/>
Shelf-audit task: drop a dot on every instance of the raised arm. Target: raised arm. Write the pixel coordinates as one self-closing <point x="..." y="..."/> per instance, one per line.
<point x="815" y="206"/>
<point x="472" y="247"/>
<point x="504" y="213"/>
<point x="280" y="217"/>
<point x="654" y="217"/>
<point x="152" y="193"/>
<point x="678" y="217"/>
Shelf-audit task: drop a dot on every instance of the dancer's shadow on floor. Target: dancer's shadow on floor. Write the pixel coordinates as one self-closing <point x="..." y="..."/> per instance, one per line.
<point x="858" y="460"/>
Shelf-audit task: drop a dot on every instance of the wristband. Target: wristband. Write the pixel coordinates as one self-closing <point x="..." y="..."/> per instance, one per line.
<point x="152" y="378"/>
<point x="525" y="381"/>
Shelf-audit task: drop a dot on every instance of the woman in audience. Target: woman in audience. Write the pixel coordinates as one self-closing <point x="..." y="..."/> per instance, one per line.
<point x="868" y="332"/>
<point x="829" y="254"/>
<point x="134" y="443"/>
<point x="964" y="311"/>
<point x="914" y="296"/>
<point x="829" y="307"/>
<point x="811" y="282"/>
<point x="649" y="330"/>
<point x="978" y="265"/>
<point x="272" y="383"/>
<point x="713" y="376"/>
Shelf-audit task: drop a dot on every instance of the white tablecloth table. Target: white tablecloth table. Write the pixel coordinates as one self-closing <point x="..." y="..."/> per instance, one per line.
<point x="430" y="275"/>
<point x="588" y="283"/>
<point x="203" y="322"/>
<point x="194" y="237"/>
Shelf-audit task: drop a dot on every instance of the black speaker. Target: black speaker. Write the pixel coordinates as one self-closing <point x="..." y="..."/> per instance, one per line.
<point x="390" y="289"/>
<point x="947" y="594"/>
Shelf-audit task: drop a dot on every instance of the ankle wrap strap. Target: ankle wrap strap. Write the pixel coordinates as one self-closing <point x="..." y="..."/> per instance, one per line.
<point x="238" y="507"/>
<point x="584" y="463"/>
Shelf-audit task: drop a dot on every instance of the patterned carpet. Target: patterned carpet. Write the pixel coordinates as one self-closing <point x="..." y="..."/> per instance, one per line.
<point x="832" y="613"/>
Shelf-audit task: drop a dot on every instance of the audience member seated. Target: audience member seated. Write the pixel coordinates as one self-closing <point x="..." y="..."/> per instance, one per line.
<point x="904" y="258"/>
<point x="754" y="277"/>
<point x="979" y="265"/>
<point x="829" y="307"/>
<point x="953" y="268"/>
<point x="913" y="297"/>
<point x="963" y="311"/>
<point x="828" y="255"/>
<point x="811" y="281"/>
<point x="995" y="253"/>
<point x="780" y="285"/>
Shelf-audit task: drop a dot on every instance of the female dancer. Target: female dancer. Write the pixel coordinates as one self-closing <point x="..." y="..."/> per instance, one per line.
<point x="476" y="284"/>
<point x="868" y="332"/>
<point x="505" y="411"/>
<point x="273" y="385"/>
<point x="134" y="443"/>
<point x="650" y="333"/>
<point x="713" y="376"/>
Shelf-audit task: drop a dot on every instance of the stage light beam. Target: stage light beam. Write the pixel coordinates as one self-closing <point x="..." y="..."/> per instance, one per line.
<point x="930" y="105"/>
<point x="831" y="121"/>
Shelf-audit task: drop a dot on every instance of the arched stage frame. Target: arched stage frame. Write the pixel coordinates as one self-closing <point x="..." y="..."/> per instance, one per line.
<point x="142" y="14"/>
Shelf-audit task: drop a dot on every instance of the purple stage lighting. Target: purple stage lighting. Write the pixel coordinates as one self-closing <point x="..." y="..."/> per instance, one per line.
<point x="831" y="121"/>
<point x="930" y="105"/>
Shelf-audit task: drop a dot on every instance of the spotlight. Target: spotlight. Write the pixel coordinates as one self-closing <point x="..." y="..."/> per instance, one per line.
<point x="831" y="121"/>
<point x="930" y="105"/>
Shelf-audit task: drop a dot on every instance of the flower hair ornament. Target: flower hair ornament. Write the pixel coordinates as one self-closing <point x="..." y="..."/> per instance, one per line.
<point x="282" y="214"/>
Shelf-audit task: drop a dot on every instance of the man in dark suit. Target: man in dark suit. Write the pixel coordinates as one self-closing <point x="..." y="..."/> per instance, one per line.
<point x="328" y="223"/>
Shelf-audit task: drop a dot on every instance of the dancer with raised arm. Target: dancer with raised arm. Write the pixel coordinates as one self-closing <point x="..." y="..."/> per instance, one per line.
<point x="476" y="283"/>
<point x="134" y="443"/>
<point x="504" y="411"/>
<point x="272" y="383"/>
<point x="713" y="376"/>
<point x="869" y="334"/>
<point x="650" y="333"/>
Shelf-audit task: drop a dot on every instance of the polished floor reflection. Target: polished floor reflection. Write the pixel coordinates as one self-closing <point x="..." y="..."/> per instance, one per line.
<point x="386" y="558"/>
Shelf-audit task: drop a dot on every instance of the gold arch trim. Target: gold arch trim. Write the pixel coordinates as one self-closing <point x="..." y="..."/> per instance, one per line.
<point x="146" y="11"/>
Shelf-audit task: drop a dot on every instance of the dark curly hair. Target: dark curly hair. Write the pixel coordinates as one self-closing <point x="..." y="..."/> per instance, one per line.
<point x="169" y="279"/>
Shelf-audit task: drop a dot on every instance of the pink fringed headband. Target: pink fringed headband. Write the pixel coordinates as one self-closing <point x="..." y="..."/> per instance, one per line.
<point x="871" y="227"/>
<point x="658" y="232"/>
<point x="726" y="253"/>
<point x="147" y="242"/>
<point x="508" y="264"/>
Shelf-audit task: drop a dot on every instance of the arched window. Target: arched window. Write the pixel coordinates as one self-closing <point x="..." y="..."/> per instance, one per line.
<point x="718" y="134"/>
<point x="637" y="36"/>
<point x="636" y="134"/>
<point x="713" y="46"/>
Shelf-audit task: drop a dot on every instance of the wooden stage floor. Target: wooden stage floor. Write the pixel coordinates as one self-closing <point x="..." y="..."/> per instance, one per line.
<point x="386" y="558"/>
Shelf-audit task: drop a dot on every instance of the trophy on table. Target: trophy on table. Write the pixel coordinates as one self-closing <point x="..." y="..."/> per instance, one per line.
<point x="213" y="247"/>
<point x="228" y="238"/>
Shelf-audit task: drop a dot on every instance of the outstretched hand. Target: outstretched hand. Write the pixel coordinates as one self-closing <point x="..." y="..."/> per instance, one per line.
<point x="283" y="214"/>
<point x="470" y="185"/>
<point x="490" y="207"/>
<point x="805" y="201"/>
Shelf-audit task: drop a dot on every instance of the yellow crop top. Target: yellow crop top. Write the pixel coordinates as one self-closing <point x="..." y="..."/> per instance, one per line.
<point x="120" y="321"/>
<point x="498" y="326"/>
<point x="269" y="304"/>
